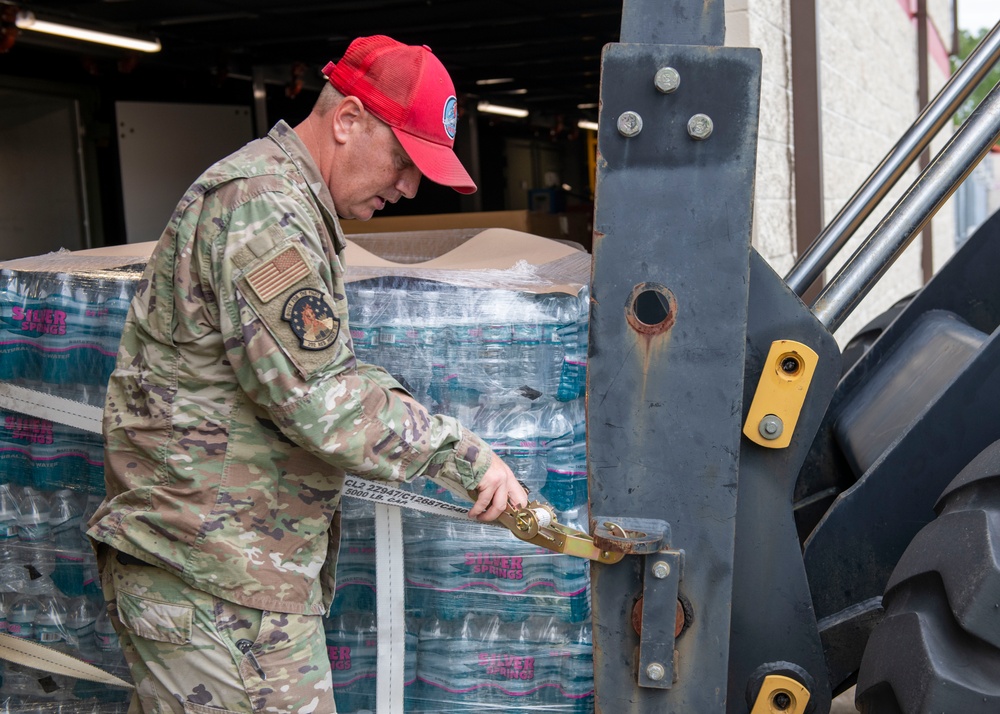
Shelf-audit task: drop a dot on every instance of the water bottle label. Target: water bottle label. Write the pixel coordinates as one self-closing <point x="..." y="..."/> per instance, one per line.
<point x="47" y="635"/>
<point x="501" y="567"/>
<point x="44" y="321"/>
<point x="507" y="666"/>
<point x="340" y="658"/>
<point x="527" y="332"/>
<point x="496" y="333"/>
<point x="34" y="532"/>
<point x="8" y="530"/>
<point x="107" y="641"/>
<point x="21" y="629"/>
<point x="28" y="429"/>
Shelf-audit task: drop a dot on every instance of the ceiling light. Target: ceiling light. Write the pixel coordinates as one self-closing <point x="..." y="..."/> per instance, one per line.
<point x="499" y="80"/>
<point x="505" y="111"/>
<point x="587" y="105"/>
<point x="584" y="124"/>
<point x="28" y="21"/>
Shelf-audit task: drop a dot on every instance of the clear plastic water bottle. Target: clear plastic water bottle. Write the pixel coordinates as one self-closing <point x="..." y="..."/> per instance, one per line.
<point x="106" y="638"/>
<point x="9" y="518"/>
<point x="356" y="561"/>
<point x="62" y="334"/>
<point x="50" y="621"/>
<point x="35" y="533"/>
<point x="21" y="616"/>
<point x="352" y="641"/>
<point x="10" y="327"/>
<point x="18" y="437"/>
<point x="527" y="357"/>
<point x="399" y="346"/>
<point x="434" y="674"/>
<point x="571" y="576"/>
<point x="577" y="674"/>
<point x="70" y="550"/>
<point x="495" y="359"/>
<point x="81" y="618"/>
<point x="518" y="667"/>
<point x="573" y="378"/>
<point x="463" y="356"/>
<point x="476" y="638"/>
<point x="21" y="350"/>
<point x="566" y="477"/>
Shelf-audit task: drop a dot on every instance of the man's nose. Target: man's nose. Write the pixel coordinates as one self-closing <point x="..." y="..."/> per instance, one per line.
<point x="409" y="182"/>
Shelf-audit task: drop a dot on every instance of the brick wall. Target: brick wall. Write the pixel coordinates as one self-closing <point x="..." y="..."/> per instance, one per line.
<point x="868" y="90"/>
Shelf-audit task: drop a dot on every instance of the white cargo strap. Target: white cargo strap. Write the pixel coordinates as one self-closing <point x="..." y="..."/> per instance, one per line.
<point x="47" y="406"/>
<point x="389" y="575"/>
<point x="30" y="654"/>
<point x="391" y="608"/>
<point x="88" y="418"/>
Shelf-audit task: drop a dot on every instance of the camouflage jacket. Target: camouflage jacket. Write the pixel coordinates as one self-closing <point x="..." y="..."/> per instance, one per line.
<point x="237" y="405"/>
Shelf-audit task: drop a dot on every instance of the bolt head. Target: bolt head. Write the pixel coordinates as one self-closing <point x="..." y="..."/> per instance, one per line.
<point x="700" y="127"/>
<point x="667" y="80"/>
<point x="781" y="701"/>
<point x="656" y="672"/>
<point x="789" y="365"/>
<point x="770" y="427"/>
<point x="629" y="124"/>
<point x="661" y="569"/>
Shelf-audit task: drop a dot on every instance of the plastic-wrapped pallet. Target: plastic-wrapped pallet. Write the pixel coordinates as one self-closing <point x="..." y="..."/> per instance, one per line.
<point x="503" y="348"/>
<point x="61" y="317"/>
<point x="493" y="623"/>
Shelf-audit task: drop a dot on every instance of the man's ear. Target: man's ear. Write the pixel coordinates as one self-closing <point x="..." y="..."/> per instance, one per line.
<point x="347" y="118"/>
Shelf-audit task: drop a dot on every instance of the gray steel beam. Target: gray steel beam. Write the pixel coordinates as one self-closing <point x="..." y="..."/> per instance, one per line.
<point x="667" y="348"/>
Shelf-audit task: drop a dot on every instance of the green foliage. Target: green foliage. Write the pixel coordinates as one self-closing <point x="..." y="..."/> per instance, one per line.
<point x="967" y="42"/>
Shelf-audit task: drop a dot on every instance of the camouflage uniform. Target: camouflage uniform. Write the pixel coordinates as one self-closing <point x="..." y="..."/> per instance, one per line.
<point x="237" y="405"/>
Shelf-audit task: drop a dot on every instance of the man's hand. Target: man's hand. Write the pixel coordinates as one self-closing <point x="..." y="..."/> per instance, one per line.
<point x="497" y="488"/>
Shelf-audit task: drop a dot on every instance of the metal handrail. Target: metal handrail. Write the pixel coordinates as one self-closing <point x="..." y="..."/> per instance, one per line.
<point x="832" y="238"/>
<point x="963" y="152"/>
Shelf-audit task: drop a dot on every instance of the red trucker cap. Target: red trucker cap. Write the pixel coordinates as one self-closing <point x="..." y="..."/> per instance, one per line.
<point x="409" y="89"/>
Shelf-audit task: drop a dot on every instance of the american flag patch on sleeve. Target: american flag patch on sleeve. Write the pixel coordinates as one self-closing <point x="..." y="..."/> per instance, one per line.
<point x="278" y="274"/>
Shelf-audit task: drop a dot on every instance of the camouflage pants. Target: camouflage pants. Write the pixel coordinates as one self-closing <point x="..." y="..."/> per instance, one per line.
<point x="193" y="653"/>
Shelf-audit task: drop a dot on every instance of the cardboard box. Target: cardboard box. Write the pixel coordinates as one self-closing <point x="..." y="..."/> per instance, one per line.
<point x="576" y="227"/>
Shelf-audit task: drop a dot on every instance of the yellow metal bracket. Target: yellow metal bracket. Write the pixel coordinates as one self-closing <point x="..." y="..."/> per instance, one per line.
<point x="781" y="392"/>
<point x="781" y="695"/>
<point x="536" y="524"/>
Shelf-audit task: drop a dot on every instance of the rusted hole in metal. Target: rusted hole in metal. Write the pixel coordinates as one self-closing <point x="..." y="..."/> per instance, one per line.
<point x="681" y="617"/>
<point x="651" y="309"/>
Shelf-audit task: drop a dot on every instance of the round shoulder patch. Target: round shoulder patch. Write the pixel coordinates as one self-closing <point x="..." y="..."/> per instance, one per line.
<point x="311" y="317"/>
<point x="450" y="118"/>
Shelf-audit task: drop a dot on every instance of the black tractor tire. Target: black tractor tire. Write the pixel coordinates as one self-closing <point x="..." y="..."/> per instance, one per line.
<point x="866" y="336"/>
<point x="937" y="650"/>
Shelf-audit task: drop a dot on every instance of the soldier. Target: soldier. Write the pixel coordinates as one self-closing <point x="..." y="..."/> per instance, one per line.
<point x="237" y="404"/>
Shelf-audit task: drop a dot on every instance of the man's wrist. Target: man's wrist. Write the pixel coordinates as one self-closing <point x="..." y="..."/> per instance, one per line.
<point x="473" y="457"/>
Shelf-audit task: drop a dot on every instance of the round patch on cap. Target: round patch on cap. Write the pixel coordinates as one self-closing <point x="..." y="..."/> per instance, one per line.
<point x="450" y="118"/>
<point x="312" y="319"/>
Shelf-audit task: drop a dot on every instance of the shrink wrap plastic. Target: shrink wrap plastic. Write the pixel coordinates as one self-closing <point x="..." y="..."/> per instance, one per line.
<point x="493" y="624"/>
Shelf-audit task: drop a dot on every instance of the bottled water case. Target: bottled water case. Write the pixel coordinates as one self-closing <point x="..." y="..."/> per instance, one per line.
<point x="492" y="623"/>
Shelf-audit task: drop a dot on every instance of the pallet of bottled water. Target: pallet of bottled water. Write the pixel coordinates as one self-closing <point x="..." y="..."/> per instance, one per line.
<point x="492" y="623"/>
<point x="61" y="318"/>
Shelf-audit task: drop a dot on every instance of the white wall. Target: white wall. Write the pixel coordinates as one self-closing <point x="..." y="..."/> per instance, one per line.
<point x="869" y="92"/>
<point x="40" y="197"/>
<point x="163" y="148"/>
